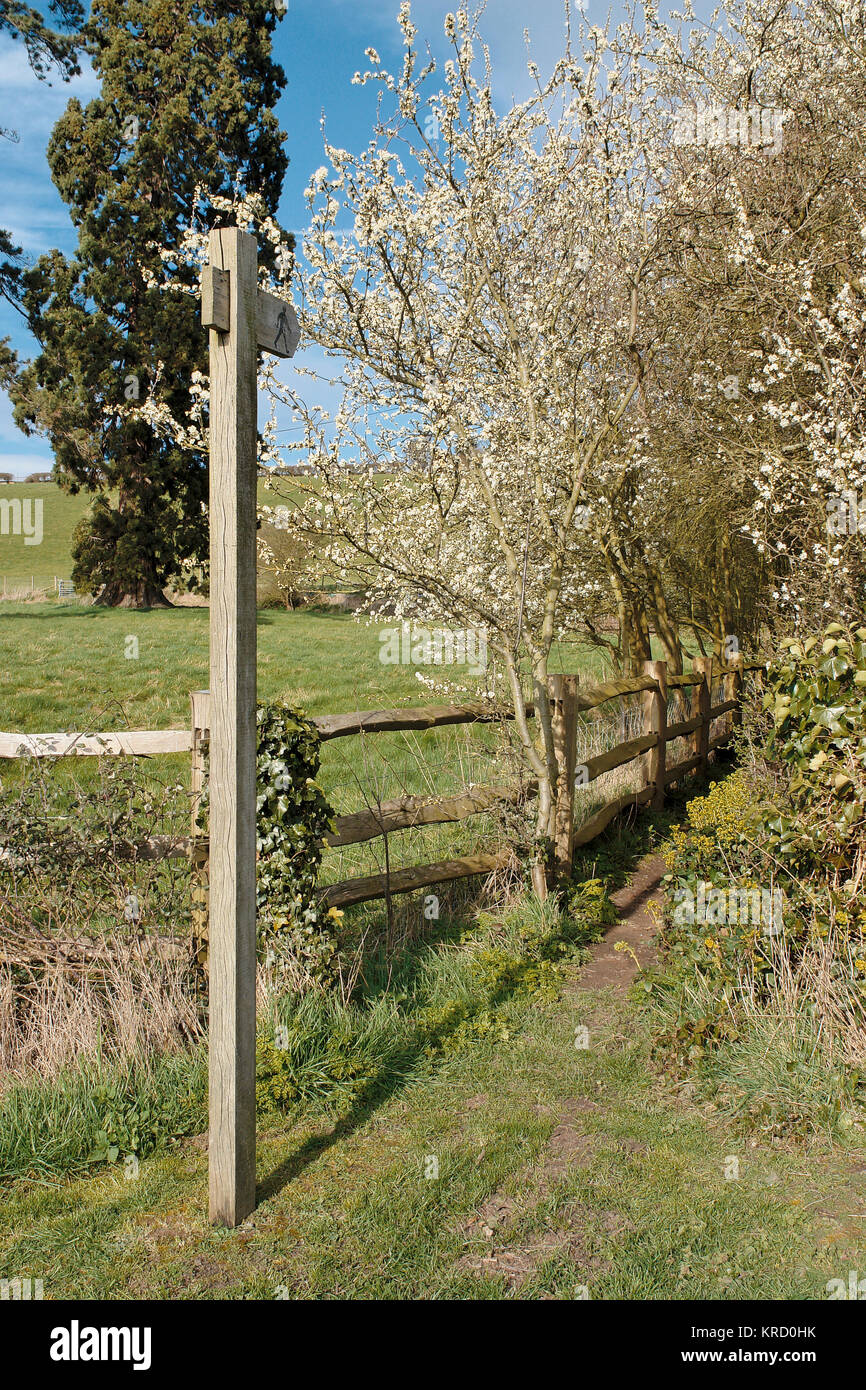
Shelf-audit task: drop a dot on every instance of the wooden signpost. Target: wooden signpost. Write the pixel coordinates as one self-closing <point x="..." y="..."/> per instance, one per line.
<point x="241" y="318"/>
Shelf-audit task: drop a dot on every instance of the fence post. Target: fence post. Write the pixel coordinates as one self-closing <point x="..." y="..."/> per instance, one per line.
<point x="701" y="706"/>
<point x="734" y="691"/>
<point x="655" y="718"/>
<point x="200" y="704"/>
<point x="563" y="710"/>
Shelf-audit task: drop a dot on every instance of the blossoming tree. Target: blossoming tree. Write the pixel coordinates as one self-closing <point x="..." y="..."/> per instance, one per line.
<point x="494" y="319"/>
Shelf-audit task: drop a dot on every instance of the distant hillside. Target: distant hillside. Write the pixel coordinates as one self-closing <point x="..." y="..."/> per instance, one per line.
<point x="21" y="564"/>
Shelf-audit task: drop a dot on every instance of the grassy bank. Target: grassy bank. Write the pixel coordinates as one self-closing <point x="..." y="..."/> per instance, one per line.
<point x="443" y="990"/>
<point x="643" y="1209"/>
<point x="761" y="991"/>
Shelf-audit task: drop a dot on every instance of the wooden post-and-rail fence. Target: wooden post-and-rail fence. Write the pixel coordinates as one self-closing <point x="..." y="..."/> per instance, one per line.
<point x="568" y="700"/>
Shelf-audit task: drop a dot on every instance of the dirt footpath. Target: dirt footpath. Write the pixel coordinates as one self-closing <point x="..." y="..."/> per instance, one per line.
<point x="636" y="928"/>
<point x="500" y="1219"/>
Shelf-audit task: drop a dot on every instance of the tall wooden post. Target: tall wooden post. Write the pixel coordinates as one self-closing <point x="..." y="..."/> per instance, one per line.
<point x="655" y="719"/>
<point x="241" y="319"/>
<point x="701" y="698"/>
<point x="563" y="701"/>
<point x="232" y="1020"/>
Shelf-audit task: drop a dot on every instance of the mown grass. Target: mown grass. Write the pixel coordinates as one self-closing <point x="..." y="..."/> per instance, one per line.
<point x="67" y="666"/>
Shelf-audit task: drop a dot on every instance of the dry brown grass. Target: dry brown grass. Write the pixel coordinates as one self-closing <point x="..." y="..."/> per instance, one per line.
<point x="815" y="984"/>
<point x="127" y="1008"/>
<point x="22" y="593"/>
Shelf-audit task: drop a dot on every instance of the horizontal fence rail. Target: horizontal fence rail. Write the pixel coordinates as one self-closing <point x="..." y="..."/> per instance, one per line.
<point x="132" y="743"/>
<point x="568" y="699"/>
<point x="406" y="812"/>
<point x="360" y="890"/>
<point x="387" y="721"/>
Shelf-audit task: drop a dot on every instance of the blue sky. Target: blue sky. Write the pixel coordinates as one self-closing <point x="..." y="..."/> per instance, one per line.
<point x="320" y="43"/>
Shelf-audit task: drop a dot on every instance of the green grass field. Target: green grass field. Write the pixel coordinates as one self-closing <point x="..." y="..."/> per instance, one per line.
<point x="70" y="668"/>
<point x="346" y="1210"/>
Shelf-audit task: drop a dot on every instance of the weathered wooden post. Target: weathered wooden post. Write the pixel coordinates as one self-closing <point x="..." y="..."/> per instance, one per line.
<point x="734" y="691"/>
<point x="655" y="719"/>
<point x="563" y="711"/>
<point x="240" y="318"/>
<point x="701" y="698"/>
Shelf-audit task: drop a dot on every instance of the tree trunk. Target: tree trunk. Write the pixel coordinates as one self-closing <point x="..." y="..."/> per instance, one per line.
<point x="141" y="595"/>
<point x="665" y="628"/>
<point x="538" y="761"/>
<point x="634" y="638"/>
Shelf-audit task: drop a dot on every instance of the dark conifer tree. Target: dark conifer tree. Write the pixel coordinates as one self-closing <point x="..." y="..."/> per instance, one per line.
<point x="188" y="89"/>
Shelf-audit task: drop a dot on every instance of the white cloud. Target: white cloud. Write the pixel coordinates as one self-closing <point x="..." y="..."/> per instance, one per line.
<point x="16" y="73"/>
<point x="24" y="95"/>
